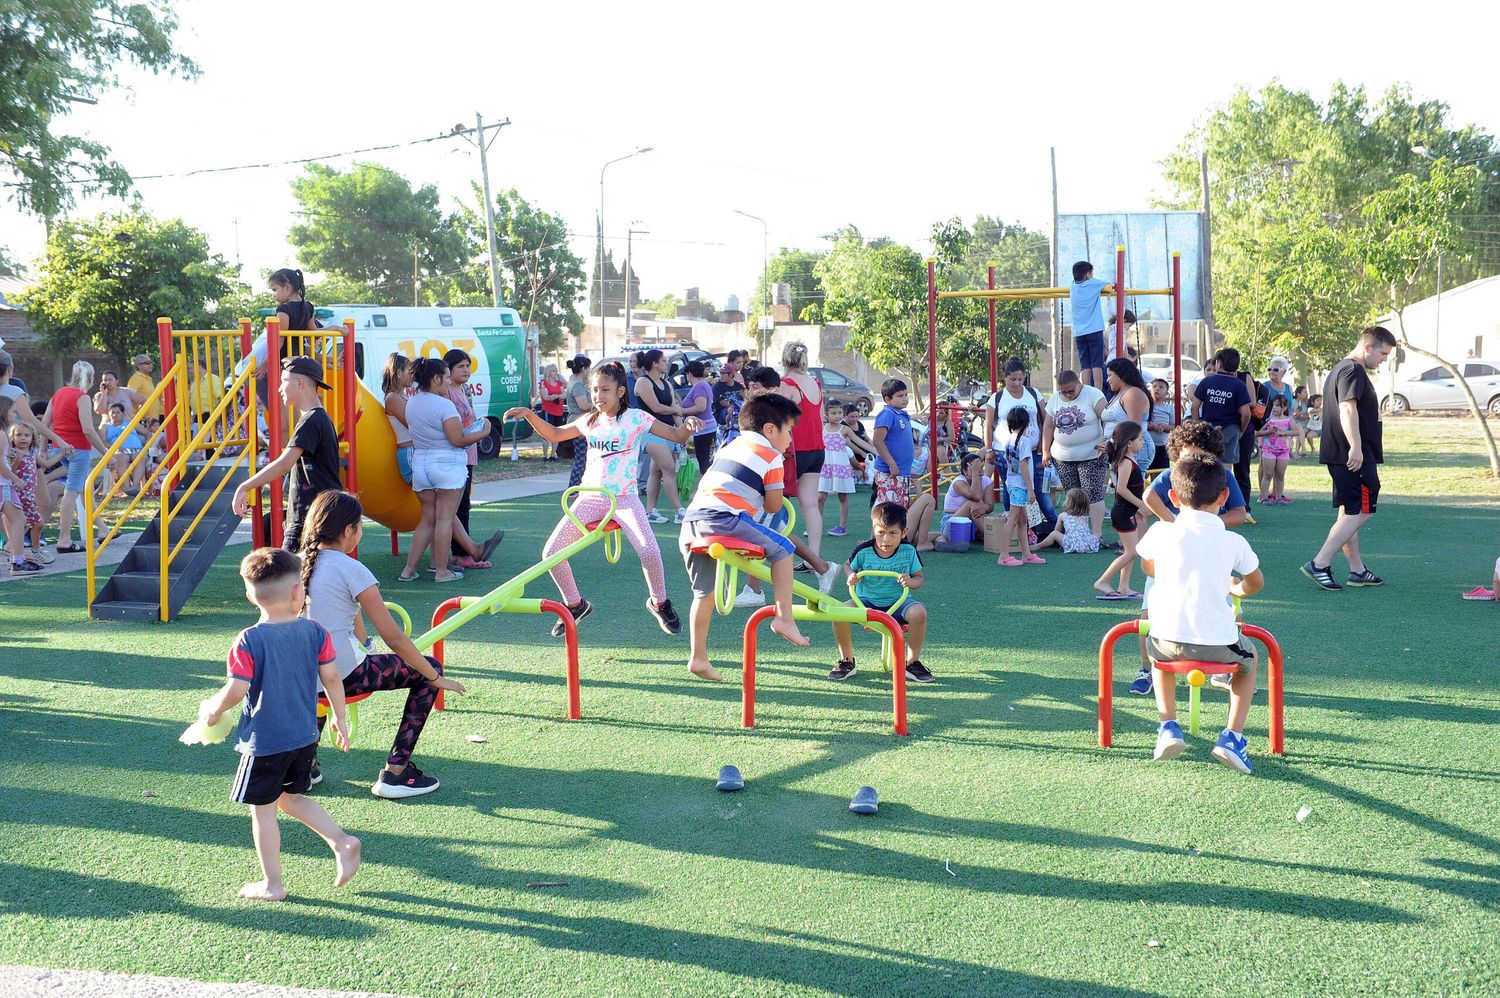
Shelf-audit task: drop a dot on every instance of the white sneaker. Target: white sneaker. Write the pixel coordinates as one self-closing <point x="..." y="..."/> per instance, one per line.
<point x="828" y="578"/>
<point x="652" y="516"/>
<point x="749" y="598"/>
<point x="42" y="556"/>
<point x="680" y="514"/>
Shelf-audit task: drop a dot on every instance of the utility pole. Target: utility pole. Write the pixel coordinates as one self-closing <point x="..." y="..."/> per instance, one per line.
<point x="765" y="262"/>
<point x="1056" y="303"/>
<point x="416" y="278"/>
<point x="629" y="234"/>
<point x="1205" y="268"/>
<point x="483" y="145"/>
<point x="604" y="285"/>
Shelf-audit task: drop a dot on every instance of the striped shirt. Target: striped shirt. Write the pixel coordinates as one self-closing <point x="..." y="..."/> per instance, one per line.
<point x="744" y="470"/>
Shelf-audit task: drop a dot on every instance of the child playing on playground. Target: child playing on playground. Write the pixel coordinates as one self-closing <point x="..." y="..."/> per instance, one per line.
<point x="1023" y="442"/>
<point x="1192" y="560"/>
<point x="275" y="667"/>
<point x="837" y="475"/>
<point x="113" y="429"/>
<point x="1313" y="430"/>
<point x="1073" y="533"/>
<point x="1086" y="309"/>
<point x="341" y="592"/>
<point x="24" y="461"/>
<point x="311" y="455"/>
<point x="613" y="433"/>
<point x="12" y="515"/>
<point x="968" y="495"/>
<point x="1275" y="451"/>
<point x="1129" y="514"/>
<point x="886" y="551"/>
<point x="742" y="485"/>
<point x="894" y="446"/>
<point x="761" y="381"/>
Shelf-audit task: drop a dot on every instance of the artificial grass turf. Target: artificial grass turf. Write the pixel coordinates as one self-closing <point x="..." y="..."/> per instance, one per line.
<point x="1067" y="860"/>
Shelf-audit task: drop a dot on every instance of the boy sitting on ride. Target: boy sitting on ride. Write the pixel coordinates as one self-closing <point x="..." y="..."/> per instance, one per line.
<point x="887" y="551"/>
<point x="1191" y="560"/>
<point x="742" y="486"/>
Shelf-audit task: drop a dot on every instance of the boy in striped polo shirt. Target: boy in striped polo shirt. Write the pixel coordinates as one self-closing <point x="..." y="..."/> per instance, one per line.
<point x="745" y="482"/>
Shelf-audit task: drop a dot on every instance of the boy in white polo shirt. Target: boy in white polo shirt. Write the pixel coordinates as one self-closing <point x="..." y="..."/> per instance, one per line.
<point x="1192" y="560"/>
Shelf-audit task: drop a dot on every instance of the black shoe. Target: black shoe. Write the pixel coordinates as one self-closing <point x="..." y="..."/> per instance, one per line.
<point x="1365" y="578"/>
<point x="843" y="670"/>
<point x="665" y="616"/>
<point x="411" y="783"/>
<point x="919" y="673"/>
<point x="25" y="567"/>
<point x="583" y="609"/>
<point x="1322" y="577"/>
<point x="315" y="775"/>
<point x="1111" y="546"/>
<point x="803" y="566"/>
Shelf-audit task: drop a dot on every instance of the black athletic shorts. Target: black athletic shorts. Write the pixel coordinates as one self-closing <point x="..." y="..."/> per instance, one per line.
<point x="809" y="462"/>
<point x="1355" y="491"/>
<point x="262" y="779"/>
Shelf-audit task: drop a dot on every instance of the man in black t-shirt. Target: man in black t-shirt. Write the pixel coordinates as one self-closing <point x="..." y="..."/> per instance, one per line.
<point x="312" y="455"/>
<point x="1351" y="448"/>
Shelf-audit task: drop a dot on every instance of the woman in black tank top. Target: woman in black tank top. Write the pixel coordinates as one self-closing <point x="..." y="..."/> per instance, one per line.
<point x="661" y="402"/>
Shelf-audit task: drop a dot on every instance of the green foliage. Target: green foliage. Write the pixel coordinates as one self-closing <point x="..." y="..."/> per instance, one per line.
<point x="665" y="307"/>
<point x="1288" y="178"/>
<point x="880" y="289"/>
<point x="53" y="52"/>
<point x="105" y="280"/>
<point x="9" y="265"/>
<point x="368" y="225"/>
<point x="542" y="278"/>
<point x="796" y="268"/>
<point x="1021" y="259"/>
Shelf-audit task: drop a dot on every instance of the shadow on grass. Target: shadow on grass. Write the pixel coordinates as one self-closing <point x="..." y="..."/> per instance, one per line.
<point x="858" y="969"/>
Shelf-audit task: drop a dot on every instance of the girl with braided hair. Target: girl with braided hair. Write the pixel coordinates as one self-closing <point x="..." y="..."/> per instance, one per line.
<point x="339" y="591"/>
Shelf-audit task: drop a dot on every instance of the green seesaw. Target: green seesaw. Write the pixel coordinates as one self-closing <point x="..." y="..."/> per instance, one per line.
<point x="735" y="556"/>
<point x="510" y="595"/>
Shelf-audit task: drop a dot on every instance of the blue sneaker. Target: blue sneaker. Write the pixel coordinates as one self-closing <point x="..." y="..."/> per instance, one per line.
<point x="1231" y="750"/>
<point x="1169" y="741"/>
<point x="1142" y="685"/>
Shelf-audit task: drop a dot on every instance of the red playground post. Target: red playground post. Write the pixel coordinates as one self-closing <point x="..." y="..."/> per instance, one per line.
<point x="1177" y="331"/>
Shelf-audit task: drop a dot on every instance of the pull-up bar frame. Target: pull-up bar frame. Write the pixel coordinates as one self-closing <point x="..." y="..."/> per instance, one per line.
<point x="994" y="294"/>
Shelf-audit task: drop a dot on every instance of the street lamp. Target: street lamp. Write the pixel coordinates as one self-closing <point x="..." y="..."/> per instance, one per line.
<point x="630" y="234"/>
<point x="603" y="322"/>
<point x="765" y="254"/>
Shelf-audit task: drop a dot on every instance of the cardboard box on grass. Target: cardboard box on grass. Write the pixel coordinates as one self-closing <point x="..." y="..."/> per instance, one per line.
<point x="990" y="528"/>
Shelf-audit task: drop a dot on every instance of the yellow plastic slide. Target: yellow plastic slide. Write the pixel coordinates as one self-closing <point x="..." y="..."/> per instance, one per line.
<point x="385" y="497"/>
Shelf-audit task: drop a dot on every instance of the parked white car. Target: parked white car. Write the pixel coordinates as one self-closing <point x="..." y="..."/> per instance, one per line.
<point x="1159" y="366"/>
<point x="1431" y="387"/>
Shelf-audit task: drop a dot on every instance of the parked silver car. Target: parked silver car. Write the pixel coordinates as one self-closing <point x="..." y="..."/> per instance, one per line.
<point x="1434" y="388"/>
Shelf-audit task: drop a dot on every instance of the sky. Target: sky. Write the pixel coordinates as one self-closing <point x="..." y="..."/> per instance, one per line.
<point x="810" y="115"/>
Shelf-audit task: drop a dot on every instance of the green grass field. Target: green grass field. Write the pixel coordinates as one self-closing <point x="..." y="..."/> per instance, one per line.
<point x="1074" y="870"/>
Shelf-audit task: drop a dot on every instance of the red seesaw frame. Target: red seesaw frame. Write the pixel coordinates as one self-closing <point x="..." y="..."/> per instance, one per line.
<point x="1274" y="679"/>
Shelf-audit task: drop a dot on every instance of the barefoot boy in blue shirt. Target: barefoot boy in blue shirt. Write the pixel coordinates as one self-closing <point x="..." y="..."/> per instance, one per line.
<point x="275" y="667"/>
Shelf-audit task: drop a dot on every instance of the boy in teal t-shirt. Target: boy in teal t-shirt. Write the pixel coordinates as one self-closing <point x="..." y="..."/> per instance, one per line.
<point x="887" y="551"/>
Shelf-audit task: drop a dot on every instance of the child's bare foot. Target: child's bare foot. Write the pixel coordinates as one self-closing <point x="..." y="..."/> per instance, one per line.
<point x="704" y="671"/>
<point x="347" y="857"/>
<point x="788" y="630"/>
<point x="263" y="890"/>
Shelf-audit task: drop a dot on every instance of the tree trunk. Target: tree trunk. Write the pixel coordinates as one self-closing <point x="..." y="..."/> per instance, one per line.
<point x="1474" y="406"/>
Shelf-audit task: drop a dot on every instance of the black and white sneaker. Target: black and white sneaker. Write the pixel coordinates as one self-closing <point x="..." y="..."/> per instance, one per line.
<point x="665" y="616"/>
<point x="919" y="673"/>
<point x="411" y="783"/>
<point x="843" y="670"/>
<point x="1365" y="578"/>
<point x="315" y="775"/>
<point x="583" y="609"/>
<point x="803" y="567"/>
<point x="25" y="567"/>
<point x="1322" y="577"/>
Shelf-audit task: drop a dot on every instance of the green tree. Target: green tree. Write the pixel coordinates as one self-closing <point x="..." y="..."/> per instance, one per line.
<point x="794" y="267"/>
<point x="1406" y="227"/>
<point x="543" y="278"/>
<point x="614" y="280"/>
<point x="105" y="280"/>
<point x="963" y="257"/>
<point x="880" y="289"/>
<point x="665" y="307"/>
<point x="1288" y="177"/>
<point x="371" y="226"/>
<point x="56" y="52"/>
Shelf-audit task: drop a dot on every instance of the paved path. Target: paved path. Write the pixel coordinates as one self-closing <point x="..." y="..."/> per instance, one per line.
<point x="39" y="982"/>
